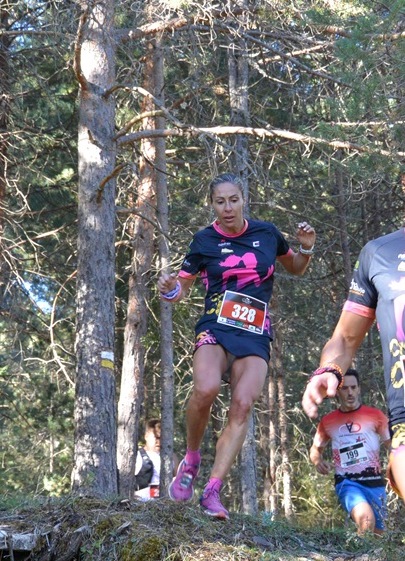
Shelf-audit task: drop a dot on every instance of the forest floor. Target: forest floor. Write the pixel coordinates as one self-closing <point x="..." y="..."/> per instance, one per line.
<point x="83" y="529"/>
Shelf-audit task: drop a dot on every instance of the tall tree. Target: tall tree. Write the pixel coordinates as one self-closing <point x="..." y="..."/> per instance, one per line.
<point x="132" y="377"/>
<point x="95" y="464"/>
<point x="4" y="119"/>
<point x="166" y="316"/>
<point x="238" y="70"/>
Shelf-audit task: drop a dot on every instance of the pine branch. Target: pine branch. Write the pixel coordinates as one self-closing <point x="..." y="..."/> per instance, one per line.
<point x="267" y="133"/>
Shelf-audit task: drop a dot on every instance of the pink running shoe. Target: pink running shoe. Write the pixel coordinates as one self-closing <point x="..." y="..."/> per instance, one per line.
<point x="181" y="488"/>
<point x="211" y="504"/>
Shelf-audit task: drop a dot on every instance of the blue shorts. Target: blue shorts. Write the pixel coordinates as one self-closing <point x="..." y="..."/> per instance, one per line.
<point x="350" y="494"/>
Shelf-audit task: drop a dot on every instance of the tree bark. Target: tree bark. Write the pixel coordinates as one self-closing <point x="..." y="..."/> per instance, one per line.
<point x="4" y="121"/>
<point x="271" y="486"/>
<point x="239" y="102"/>
<point x="342" y="221"/>
<point x="284" y="442"/>
<point x="248" y="462"/>
<point x="166" y="317"/>
<point x="132" y="378"/>
<point x="95" y="468"/>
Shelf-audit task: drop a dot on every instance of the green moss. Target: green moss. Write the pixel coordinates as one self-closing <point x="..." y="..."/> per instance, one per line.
<point x="103" y="527"/>
<point x="149" y="548"/>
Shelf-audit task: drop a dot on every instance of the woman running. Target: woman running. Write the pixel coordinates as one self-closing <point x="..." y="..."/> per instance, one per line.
<point x="235" y="258"/>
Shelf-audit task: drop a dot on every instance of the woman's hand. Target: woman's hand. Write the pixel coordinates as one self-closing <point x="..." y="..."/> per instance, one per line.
<point x="167" y="282"/>
<point x="306" y="235"/>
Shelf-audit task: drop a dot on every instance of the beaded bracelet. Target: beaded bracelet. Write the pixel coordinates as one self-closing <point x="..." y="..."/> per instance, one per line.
<point x="173" y="293"/>
<point x="309" y="251"/>
<point x="334" y="369"/>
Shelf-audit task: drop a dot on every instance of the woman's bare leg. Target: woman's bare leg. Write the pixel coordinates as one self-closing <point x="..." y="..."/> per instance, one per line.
<point x="247" y="380"/>
<point x="210" y="362"/>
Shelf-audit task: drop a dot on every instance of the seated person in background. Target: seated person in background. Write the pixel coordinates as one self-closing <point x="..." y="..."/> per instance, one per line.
<point x="147" y="467"/>
<point x="355" y="432"/>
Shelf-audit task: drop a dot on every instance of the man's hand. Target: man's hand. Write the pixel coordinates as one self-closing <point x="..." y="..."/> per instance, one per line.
<point x="323" y="467"/>
<point x="318" y="388"/>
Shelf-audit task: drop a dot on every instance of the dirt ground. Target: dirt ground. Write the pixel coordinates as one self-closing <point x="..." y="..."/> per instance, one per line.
<point x="84" y="529"/>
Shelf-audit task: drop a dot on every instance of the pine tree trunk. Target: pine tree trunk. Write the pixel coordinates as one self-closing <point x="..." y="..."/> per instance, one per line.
<point x="284" y="442"/>
<point x="248" y="462"/>
<point x="271" y="487"/>
<point x="341" y="211"/>
<point x="166" y="334"/>
<point x="239" y="101"/>
<point x="4" y="122"/>
<point x="132" y="378"/>
<point x="95" y="468"/>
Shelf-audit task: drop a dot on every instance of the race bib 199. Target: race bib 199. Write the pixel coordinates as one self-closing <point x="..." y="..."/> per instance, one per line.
<point x="352" y="455"/>
<point x="242" y="311"/>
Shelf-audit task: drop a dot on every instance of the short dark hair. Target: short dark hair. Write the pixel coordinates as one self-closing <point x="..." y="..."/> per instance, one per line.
<point x="225" y="178"/>
<point x="353" y="372"/>
<point x="152" y="425"/>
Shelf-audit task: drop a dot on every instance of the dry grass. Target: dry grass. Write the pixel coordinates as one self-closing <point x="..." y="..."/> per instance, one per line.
<point x="84" y="529"/>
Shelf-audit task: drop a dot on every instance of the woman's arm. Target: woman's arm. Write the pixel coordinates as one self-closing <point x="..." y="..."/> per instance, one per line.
<point x="172" y="287"/>
<point x="296" y="263"/>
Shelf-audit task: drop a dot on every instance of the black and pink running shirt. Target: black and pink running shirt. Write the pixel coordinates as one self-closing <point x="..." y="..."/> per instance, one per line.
<point x="240" y="262"/>
<point x="243" y="263"/>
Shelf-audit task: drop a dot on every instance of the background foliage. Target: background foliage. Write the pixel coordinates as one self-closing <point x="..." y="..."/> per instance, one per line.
<point x="332" y="71"/>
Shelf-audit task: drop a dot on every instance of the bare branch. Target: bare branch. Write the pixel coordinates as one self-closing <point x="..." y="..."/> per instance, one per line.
<point x="77" y="52"/>
<point x="157" y="102"/>
<point x="259" y="133"/>
<point x="106" y="179"/>
<point x="290" y="58"/>
<point x="51" y="330"/>
<point x="175" y="23"/>
<point x="125" y="211"/>
<point x="333" y="30"/>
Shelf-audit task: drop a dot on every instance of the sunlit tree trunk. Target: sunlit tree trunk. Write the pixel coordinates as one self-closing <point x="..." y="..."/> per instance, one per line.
<point x="341" y="207"/>
<point x="248" y="463"/>
<point x="95" y="468"/>
<point x="4" y="118"/>
<point x="238" y="68"/>
<point x="283" y="420"/>
<point x="271" y="483"/>
<point x="278" y="448"/>
<point x="132" y="378"/>
<point x="166" y="319"/>
<point x="239" y="102"/>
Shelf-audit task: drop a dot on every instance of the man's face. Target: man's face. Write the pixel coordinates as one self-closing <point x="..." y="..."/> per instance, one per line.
<point x="349" y="394"/>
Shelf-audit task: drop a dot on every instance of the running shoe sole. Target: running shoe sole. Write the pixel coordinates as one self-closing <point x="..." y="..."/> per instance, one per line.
<point x="218" y="515"/>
